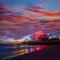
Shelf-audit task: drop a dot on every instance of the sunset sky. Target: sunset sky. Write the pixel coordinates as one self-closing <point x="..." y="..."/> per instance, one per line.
<point x="20" y="18"/>
<point x="49" y="5"/>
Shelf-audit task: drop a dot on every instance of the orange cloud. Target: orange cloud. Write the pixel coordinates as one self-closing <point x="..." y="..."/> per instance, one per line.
<point x="52" y="14"/>
<point x="11" y="26"/>
<point x="51" y="22"/>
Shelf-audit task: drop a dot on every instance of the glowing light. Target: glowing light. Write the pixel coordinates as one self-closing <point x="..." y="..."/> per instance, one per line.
<point x="39" y="34"/>
<point x="39" y="48"/>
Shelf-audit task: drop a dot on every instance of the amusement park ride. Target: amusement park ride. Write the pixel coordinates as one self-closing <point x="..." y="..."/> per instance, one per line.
<point x="41" y="38"/>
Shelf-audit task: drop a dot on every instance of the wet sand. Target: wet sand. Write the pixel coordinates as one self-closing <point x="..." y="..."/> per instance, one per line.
<point x="50" y="53"/>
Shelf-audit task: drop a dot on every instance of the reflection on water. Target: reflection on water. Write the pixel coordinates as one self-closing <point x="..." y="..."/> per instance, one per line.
<point x="20" y="52"/>
<point x="9" y="51"/>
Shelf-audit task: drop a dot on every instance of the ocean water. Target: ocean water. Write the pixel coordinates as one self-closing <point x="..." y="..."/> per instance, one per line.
<point x="8" y="50"/>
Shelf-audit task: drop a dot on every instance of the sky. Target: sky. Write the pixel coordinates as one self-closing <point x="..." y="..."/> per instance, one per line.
<point x="20" y="18"/>
<point x="50" y="5"/>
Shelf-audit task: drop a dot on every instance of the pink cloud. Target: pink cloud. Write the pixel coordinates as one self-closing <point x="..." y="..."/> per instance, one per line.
<point x="53" y="14"/>
<point x="16" y="8"/>
<point x="4" y="9"/>
<point x="42" y="3"/>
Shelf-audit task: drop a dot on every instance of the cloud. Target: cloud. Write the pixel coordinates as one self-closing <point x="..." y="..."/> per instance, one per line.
<point x="58" y="1"/>
<point x="42" y="3"/>
<point x="14" y="18"/>
<point x="44" y="13"/>
<point x="16" y="7"/>
<point x="34" y="7"/>
<point x="19" y="23"/>
<point x="4" y="9"/>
